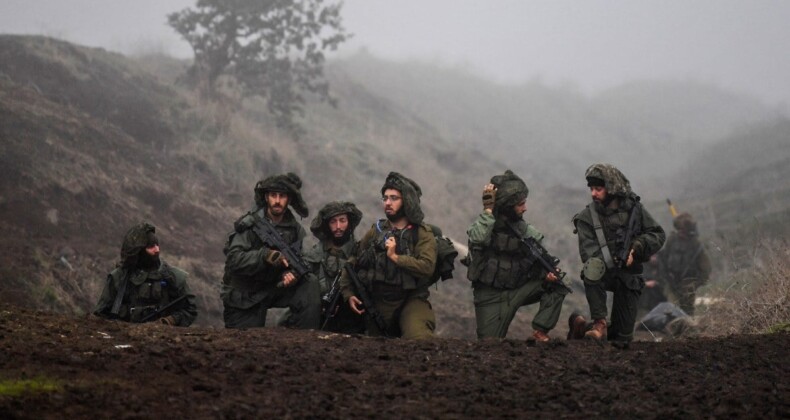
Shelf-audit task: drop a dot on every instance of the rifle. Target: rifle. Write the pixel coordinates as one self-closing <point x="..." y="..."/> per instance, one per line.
<point x="548" y="261"/>
<point x="367" y="301"/>
<point x="272" y="238"/>
<point x="332" y="300"/>
<point x="153" y="315"/>
<point x="628" y="236"/>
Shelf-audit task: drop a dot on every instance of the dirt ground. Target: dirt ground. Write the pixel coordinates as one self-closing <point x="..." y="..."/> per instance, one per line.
<point x="107" y="369"/>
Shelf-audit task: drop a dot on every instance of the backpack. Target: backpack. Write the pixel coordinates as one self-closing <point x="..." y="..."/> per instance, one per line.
<point x="445" y="256"/>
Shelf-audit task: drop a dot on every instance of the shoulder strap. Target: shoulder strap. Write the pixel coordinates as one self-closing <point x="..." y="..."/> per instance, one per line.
<point x="116" y="306"/>
<point x="607" y="256"/>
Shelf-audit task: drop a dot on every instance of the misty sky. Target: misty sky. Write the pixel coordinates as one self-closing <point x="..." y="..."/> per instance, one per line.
<point x="738" y="45"/>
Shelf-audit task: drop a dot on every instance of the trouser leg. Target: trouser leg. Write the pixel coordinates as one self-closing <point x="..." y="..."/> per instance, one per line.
<point x="596" y="298"/>
<point x="624" y="309"/>
<point x="253" y="317"/>
<point x="549" y="311"/>
<point x="417" y="320"/>
<point x="492" y="312"/>
<point x="304" y="304"/>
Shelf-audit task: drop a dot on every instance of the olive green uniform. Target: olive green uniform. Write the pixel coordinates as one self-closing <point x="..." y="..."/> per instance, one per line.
<point x="249" y="285"/>
<point x="505" y="278"/>
<point x="399" y="291"/>
<point x="685" y="266"/>
<point x="625" y="283"/>
<point x="326" y="262"/>
<point x="147" y="291"/>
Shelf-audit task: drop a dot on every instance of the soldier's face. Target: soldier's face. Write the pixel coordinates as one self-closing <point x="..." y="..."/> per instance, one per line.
<point x="338" y="225"/>
<point x="277" y="202"/>
<point x="598" y="193"/>
<point x="393" y="201"/>
<point x="152" y="250"/>
<point x="520" y="208"/>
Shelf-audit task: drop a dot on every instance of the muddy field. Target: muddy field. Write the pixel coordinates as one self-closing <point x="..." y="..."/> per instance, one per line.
<point x="67" y="367"/>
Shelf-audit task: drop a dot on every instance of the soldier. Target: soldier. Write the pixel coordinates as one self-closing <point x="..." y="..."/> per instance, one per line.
<point x="504" y="275"/>
<point x="258" y="277"/>
<point x="653" y="293"/>
<point x="394" y="265"/>
<point x="144" y="288"/>
<point x="683" y="263"/>
<point x="616" y="235"/>
<point x="334" y="228"/>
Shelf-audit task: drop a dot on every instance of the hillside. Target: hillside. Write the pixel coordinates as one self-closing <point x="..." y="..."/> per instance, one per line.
<point x="553" y="133"/>
<point x="94" y="141"/>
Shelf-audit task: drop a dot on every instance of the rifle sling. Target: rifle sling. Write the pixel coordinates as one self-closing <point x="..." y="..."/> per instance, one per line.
<point x="116" y="306"/>
<point x="607" y="255"/>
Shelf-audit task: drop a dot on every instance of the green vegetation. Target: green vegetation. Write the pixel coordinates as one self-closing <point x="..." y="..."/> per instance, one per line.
<point x="20" y="387"/>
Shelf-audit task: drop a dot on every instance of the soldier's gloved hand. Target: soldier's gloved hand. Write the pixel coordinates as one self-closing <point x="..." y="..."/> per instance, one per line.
<point x="489" y="197"/>
<point x="168" y="320"/>
<point x="275" y="258"/>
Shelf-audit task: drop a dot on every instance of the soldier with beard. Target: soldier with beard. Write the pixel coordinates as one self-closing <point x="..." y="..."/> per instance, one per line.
<point x="257" y="277"/>
<point x="602" y="229"/>
<point x="683" y="263"/>
<point x="142" y="284"/>
<point x="504" y="275"/>
<point x="334" y="228"/>
<point x="394" y="263"/>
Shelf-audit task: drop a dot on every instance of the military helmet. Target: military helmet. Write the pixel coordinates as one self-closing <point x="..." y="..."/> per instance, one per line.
<point x="289" y="183"/>
<point x="136" y="239"/>
<point x="614" y="181"/>
<point x="685" y="222"/>
<point x="332" y="209"/>
<point x="510" y="190"/>
<point x="411" y="193"/>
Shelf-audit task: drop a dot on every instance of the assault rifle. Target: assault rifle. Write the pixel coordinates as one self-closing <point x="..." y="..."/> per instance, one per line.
<point x="331" y="300"/>
<point x="628" y="235"/>
<point x="367" y="301"/>
<point x="272" y="239"/>
<point x="548" y="261"/>
<point x="154" y="315"/>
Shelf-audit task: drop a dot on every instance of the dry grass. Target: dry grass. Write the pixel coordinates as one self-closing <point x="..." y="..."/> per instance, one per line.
<point x="756" y="299"/>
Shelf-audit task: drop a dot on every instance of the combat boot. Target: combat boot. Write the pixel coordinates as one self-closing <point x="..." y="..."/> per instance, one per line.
<point x="540" y="336"/>
<point x="598" y="330"/>
<point x="576" y="326"/>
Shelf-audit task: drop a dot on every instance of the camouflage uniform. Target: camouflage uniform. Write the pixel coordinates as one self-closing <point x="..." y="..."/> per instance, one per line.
<point x="683" y="263"/>
<point x="146" y="288"/>
<point x="626" y="283"/>
<point x="327" y="258"/>
<point x="399" y="291"/>
<point x="651" y="296"/>
<point x="249" y="286"/>
<point x="503" y="276"/>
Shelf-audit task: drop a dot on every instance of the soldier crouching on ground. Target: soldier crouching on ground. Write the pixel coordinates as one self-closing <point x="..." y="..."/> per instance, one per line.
<point x="144" y="288"/>
<point x="616" y="235"/>
<point x="504" y="274"/>
<point x="258" y="272"/>
<point x="388" y="278"/>
<point x="334" y="228"/>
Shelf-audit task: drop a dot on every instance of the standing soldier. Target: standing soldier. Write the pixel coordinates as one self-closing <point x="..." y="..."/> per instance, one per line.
<point x="504" y="275"/>
<point x="683" y="263"/>
<point x="616" y="235"/>
<point x="258" y="275"/>
<point x="143" y="287"/>
<point x="392" y="269"/>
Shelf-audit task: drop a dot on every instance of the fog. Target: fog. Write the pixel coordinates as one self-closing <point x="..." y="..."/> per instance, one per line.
<point x="590" y="45"/>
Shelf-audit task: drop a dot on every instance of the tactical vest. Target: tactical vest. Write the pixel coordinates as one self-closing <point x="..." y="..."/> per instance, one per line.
<point x="146" y="292"/>
<point x="259" y="281"/>
<point x="374" y="266"/>
<point x="681" y="259"/>
<point x="503" y="264"/>
<point x="330" y="261"/>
